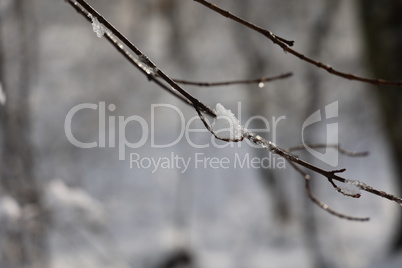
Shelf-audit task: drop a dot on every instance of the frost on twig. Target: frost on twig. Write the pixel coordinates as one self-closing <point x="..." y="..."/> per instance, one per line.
<point x="225" y="127"/>
<point x="97" y="27"/>
<point x="350" y="188"/>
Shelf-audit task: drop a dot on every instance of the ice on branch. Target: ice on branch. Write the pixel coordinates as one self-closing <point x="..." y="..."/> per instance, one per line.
<point x="97" y="27"/>
<point x="148" y="66"/>
<point x="226" y="125"/>
<point x="351" y="188"/>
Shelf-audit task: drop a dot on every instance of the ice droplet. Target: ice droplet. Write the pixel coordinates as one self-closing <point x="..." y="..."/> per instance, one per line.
<point x="261" y="85"/>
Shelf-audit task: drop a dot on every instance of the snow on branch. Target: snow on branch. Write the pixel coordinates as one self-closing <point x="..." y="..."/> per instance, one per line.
<point x="226" y="124"/>
<point x="230" y="129"/>
<point x="97" y="27"/>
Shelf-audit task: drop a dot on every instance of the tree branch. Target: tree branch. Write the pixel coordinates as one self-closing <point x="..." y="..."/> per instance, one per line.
<point x="153" y="73"/>
<point x="285" y="45"/>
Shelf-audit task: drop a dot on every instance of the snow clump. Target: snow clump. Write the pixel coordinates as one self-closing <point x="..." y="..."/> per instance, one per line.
<point x="97" y="27"/>
<point x="226" y="125"/>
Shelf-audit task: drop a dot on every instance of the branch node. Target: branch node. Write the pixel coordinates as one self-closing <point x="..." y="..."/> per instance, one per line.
<point x="338" y="171"/>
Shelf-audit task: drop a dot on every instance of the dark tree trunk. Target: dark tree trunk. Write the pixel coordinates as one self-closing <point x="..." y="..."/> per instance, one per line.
<point x="382" y="25"/>
<point x="23" y="245"/>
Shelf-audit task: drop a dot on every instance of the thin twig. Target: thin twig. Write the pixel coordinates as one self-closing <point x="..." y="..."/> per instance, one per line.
<point x="284" y="44"/>
<point x="227" y="83"/>
<point x="334" y="146"/>
<point x="327" y="208"/>
<point x="318" y="202"/>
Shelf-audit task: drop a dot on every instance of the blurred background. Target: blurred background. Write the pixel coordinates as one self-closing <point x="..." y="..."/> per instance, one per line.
<point x="62" y="206"/>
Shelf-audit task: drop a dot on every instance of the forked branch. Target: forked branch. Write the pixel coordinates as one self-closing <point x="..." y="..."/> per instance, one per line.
<point x="318" y="202"/>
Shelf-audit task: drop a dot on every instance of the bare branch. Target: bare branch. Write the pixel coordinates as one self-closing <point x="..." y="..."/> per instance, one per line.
<point x="284" y="44"/>
<point x="227" y="83"/>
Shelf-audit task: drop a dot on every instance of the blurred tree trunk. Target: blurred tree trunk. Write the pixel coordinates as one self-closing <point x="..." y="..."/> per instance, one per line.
<point x="318" y="36"/>
<point x="23" y="245"/>
<point x="256" y="66"/>
<point x="382" y="26"/>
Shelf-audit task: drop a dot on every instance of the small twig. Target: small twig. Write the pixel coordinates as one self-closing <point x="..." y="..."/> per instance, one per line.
<point x="334" y="146"/>
<point x="328" y="209"/>
<point x="284" y="44"/>
<point x="227" y="83"/>
<point x="318" y="202"/>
